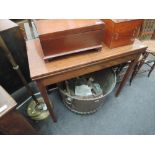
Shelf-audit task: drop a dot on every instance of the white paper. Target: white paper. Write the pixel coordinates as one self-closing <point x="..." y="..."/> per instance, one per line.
<point x="83" y="90"/>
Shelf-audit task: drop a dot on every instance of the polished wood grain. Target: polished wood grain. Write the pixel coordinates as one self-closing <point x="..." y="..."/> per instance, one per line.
<point x="49" y="103"/>
<point x="72" y="44"/>
<point x="68" y="74"/>
<point x="56" y="28"/>
<point x="61" y="37"/>
<point x="78" y="64"/>
<point x="40" y="69"/>
<point x="120" y="32"/>
<point x="128" y="73"/>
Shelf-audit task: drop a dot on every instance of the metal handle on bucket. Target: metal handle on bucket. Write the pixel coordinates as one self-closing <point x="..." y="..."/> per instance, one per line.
<point x="96" y="100"/>
<point x="69" y="100"/>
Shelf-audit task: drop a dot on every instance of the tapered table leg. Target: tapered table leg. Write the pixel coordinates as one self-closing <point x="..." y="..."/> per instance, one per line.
<point x="127" y="74"/>
<point x="44" y="94"/>
<point x="139" y="65"/>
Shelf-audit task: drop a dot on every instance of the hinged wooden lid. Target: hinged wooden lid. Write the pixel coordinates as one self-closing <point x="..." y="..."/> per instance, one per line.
<point x="60" y="27"/>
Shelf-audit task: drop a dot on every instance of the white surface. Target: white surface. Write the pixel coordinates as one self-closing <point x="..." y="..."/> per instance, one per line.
<point x="4" y="107"/>
<point x="83" y="90"/>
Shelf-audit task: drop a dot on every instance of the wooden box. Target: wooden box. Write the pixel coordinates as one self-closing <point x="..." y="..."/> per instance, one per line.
<point x="119" y="32"/>
<point x="61" y="37"/>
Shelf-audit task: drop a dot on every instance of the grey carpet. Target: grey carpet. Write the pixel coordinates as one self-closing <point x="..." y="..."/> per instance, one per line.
<point x="133" y="112"/>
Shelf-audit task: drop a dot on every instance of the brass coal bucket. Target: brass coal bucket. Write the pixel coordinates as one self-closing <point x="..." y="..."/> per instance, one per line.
<point x="88" y="104"/>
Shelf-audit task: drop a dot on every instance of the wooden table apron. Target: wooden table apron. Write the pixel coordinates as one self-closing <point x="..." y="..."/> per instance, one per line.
<point x="71" y="73"/>
<point x="54" y="77"/>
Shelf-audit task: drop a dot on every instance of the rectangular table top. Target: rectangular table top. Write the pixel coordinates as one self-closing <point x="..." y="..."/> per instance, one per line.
<point x="39" y="68"/>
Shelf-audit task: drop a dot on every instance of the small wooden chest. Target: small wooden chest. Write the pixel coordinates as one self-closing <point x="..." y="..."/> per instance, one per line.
<point x="119" y="32"/>
<point x="61" y="37"/>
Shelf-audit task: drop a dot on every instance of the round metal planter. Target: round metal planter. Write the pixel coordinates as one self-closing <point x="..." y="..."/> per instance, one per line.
<point x="87" y="105"/>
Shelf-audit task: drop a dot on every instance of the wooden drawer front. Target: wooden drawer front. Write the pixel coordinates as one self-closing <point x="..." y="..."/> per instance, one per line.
<point x="72" y="42"/>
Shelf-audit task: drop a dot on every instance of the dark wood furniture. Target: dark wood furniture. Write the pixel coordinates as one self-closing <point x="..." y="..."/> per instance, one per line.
<point x="11" y="34"/>
<point x="65" y="36"/>
<point x="78" y="64"/>
<point x="143" y="59"/>
<point x="11" y="121"/>
<point x="119" y="32"/>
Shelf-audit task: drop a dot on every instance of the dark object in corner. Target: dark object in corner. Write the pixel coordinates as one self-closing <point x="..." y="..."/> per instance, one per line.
<point x="11" y="121"/>
<point x="12" y="36"/>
